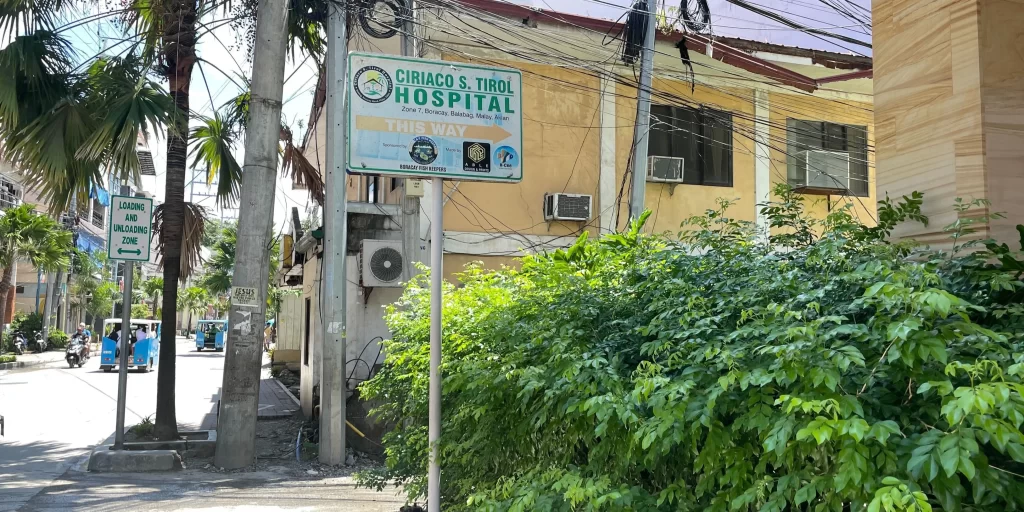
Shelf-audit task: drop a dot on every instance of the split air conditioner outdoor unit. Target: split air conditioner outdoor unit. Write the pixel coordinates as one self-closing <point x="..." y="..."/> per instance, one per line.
<point x="665" y="169"/>
<point x="827" y="171"/>
<point x="574" y="207"/>
<point x="381" y="263"/>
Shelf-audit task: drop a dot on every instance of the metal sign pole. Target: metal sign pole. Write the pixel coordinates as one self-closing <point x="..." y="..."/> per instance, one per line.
<point x="128" y="238"/>
<point x="122" y="362"/>
<point x="436" y="302"/>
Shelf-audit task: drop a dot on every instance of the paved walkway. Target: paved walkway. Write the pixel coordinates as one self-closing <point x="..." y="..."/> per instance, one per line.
<point x="196" y="490"/>
<point x="276" y="401"/>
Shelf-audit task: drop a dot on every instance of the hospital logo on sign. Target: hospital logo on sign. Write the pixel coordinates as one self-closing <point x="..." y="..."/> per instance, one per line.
<point x="373" y="84"/>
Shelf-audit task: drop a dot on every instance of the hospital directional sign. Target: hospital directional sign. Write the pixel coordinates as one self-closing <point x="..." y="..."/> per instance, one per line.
<point x="429" y="118"/>
<point x="131" y="228"/>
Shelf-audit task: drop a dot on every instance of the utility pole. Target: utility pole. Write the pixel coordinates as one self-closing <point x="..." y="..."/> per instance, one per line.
<point x="334" y="295"/>
<point x="410" y="204"/>
<point x="239" y="405"/>
<point x="643" y="118"/>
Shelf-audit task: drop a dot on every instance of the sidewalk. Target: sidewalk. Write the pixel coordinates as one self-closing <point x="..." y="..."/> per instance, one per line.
<point x="197" y="490"/>
<point x="28" y="360"/>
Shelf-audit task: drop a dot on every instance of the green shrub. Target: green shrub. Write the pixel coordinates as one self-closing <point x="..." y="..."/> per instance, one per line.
<point x="7" y="358"/>
<point x="820" y="369"/>
<point x="28" y="323"/>
<point x="143" y="429"/>
<point x="141" y="311"/>
<point x="57" y="338"/>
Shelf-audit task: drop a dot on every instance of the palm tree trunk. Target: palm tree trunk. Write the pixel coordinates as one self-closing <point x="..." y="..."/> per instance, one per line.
<point x="179" y="57"/>
<point x="5" y="288"/>
<point x="156" y="300"/>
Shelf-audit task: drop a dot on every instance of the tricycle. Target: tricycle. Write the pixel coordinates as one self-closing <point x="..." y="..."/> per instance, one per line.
<point x="143" y="353"/>
<point x="211" y="334"/>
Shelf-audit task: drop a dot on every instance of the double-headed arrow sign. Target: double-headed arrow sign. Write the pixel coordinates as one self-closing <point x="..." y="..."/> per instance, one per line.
<point x="135" y="252"/>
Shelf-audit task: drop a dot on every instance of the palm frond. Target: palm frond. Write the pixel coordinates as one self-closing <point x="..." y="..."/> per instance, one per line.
<point x="298" y="167"/>
<point x="132" y="104"/>
<point x="236" y="111"/>
<point x="35" y="70"/>
<point x="213" y="146"/>
<point x="18" y="16"/>
<point x="192" y="237"/>
<point x="35" y="237"/>
<point x="145" y="19"/>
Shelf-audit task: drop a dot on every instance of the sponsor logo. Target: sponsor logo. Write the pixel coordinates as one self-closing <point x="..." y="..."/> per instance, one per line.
<point x="373" y="84"/>
<point x="423" y="150"/>
<point x="476" y="156"/>
<point x="505" y="157"/>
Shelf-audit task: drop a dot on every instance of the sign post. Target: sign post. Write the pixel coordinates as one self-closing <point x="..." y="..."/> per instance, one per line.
<point x="128" y="239"/>
<point x="446" y="121"/>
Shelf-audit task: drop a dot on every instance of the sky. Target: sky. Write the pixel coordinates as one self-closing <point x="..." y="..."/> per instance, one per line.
<point x="217" y="82"/>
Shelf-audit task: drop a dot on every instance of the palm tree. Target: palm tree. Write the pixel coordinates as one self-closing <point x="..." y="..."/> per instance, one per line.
<point x="66" y="128"/>
<point x="32" y="236"/>
<point x="193" y="299"/>
<point x="152" y="288"/>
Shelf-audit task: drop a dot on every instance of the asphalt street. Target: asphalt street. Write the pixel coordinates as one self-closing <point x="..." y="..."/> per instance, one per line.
<point x="54" y="415"/>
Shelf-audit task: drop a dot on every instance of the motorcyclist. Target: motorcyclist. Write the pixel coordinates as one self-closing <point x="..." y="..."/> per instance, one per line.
<point x="82" y="334"/>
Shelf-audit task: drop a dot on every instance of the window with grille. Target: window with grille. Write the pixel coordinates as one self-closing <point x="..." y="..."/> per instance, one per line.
<point x="10" y="193"/>
<point x="701" y="137"/>
<point x="99" y="213"/>
<point x="813" y="138"/>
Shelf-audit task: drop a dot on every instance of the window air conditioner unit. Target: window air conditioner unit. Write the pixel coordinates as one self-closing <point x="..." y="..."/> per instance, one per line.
<point x="574" y="207"/>
<point x="827" y="170"/>
<point x="665" y="169"/>
<point x="381" y="263"/>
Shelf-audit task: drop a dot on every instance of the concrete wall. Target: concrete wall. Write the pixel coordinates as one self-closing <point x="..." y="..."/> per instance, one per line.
<point x="949" y="102"/>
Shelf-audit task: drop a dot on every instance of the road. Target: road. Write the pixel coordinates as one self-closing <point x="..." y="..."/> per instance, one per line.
<point x="54" y="415"/>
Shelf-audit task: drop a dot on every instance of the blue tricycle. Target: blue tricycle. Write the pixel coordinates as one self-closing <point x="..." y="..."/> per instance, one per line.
<point x="211" y="334"/>
<point x="144" y="355"/>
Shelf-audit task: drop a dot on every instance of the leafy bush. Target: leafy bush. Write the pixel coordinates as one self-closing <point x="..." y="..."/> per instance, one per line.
<point x="29" y="323"/>
<point x="819" y="369"/>
<point x="7" y="358"/>
<point x="141" y="311"/>
<point x="57" y="338"/>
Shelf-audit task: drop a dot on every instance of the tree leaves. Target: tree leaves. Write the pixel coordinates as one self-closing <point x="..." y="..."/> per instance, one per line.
<point x="835" y="374"/>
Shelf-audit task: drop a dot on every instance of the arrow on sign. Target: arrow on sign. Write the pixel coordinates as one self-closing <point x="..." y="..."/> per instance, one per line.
<point x="137" y="252"/>
<point x="491" y="132"/>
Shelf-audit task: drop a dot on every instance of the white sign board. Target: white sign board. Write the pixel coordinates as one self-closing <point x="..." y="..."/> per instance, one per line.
<point x="245" y="297"/>
<point x="131" y="228"/>
<point x="416" y="117"/>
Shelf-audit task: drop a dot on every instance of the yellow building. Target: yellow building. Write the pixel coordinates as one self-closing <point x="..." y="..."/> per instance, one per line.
<point x="732" y="121"/>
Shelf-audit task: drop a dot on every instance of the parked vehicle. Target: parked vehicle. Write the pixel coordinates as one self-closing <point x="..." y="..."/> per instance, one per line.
<point x="20" y="344"/>
<point x="143" y="355"/>
<point x="78" y="351"/>
<point x="211" y="334"/>
<point x="38" y="343"/>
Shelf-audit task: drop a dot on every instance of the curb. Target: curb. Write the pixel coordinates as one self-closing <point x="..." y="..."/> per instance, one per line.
<point x="11" y="366"/>
<point x="289" y="393"/>
<point x="28" y="364"/>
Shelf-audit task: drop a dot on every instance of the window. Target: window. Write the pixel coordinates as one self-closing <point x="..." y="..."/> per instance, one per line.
<point x="305" y="337"/>
<point x="848" y="141"/>
<point x="702" y="138"/>
<point x="19" y="289"/>
<point x="98" y="213"/>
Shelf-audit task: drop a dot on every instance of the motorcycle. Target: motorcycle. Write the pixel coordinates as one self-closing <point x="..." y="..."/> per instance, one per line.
<point x="77" y="352"/>
<point x="20" y="344"/>
<point x="39" y="342"/>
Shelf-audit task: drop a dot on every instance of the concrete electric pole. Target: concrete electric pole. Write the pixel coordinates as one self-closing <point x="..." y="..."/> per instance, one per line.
<point x="643" y="118"/>
<point x="410" y="202"/>
<point x="236" y="442"/>
<point x="334" y="295"/>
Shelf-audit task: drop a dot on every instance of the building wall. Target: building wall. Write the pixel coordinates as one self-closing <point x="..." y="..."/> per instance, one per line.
<point x="949" y="102"/>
